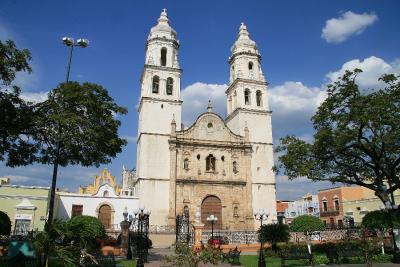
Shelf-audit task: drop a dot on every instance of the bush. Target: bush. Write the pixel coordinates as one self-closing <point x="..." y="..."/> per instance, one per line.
<point x="307" y="223"/>
<point x="85" y="230"/>
<point x="5" y="224"/>
<point x="274" y="233"/>
<point x="185" y="256"/>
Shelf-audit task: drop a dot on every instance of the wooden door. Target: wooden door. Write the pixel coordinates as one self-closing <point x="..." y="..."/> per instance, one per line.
<point x="211" y="205"/>
<point x="105" y="216"/>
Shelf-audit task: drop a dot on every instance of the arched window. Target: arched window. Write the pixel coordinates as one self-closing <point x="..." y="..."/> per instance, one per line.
<point x="156" y="84"/>
<point x="247" y="97"/>
<point x="250" y="65"/>
<point x="210" y="163"/>
<point x="163" y="56"/>
<point x="105" y="194"/>
<point x="170" y="85"/>
<point x="258" y="98"/>
<point x="234" y="100"/>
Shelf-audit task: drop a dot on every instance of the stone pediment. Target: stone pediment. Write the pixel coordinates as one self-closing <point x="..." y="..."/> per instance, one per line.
<point x="210" y="127"/>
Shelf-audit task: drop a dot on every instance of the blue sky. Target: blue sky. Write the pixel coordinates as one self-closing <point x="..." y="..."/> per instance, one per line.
<point x="304" y="44"/>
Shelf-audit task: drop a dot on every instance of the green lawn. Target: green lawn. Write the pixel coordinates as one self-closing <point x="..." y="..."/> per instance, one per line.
<point x="127" y="263"/>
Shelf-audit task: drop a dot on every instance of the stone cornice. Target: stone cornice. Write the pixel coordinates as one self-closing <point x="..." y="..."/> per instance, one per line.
<point x="154" y="179"/>
<point x="238" y="80"/>
<point x="209" y="143"/>
<point x="4" y="196"/>
<point x="162" y="68"/>
<point x="209" y="182"/>
<point x="174" y="42"/>
<point x="252" y="111"/>
<point x="146" y="133"/>
<point x="155" y="99"/>
<point x="231" y="58"/>
<point x="264" y="184"/>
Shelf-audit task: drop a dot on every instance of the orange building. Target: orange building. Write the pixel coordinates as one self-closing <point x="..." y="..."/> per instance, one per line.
<point x="281" y="206"/>
<point x="331" y="203"/>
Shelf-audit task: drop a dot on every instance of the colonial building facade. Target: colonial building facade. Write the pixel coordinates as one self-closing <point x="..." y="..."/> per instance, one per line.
<point x="217" y="166"/>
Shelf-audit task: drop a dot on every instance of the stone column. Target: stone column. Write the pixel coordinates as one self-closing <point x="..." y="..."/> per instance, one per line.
<point x="124" y="236"/>
<point x="198" y="233"/>
<point x="198" y="227"/>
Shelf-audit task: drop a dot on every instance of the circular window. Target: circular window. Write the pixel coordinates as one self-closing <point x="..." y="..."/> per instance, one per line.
<point x="209" y="125"/>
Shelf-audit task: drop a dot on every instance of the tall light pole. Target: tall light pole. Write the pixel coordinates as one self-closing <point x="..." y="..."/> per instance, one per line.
<point x="142" y="231"/>
<point x="261" y="215"/>
<point x="212" y="219"/>
<point x="71" y="43"/>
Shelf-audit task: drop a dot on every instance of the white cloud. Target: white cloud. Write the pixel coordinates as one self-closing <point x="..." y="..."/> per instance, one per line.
<point x="195" y="98"/>
<point x="293" y="104"/>
<point x="337" y="30"/>
<point x="35" y="97"/>
<point x="372" y="67"/>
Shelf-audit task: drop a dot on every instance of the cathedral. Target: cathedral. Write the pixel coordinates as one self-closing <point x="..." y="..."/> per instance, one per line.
<point x="220" y="166"/>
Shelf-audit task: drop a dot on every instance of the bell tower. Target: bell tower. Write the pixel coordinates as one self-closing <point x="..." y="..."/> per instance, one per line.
<point x="247" y="108"/>
<point x="159" y="104"/>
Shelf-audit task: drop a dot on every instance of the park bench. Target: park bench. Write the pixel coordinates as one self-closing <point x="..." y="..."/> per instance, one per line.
<point x="295" y="254"/>
<point x="341" y="256"/>
<point x="232" y="256"/>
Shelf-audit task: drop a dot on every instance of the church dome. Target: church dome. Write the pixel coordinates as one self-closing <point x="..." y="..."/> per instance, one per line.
<point x="243" y="42"/>
<point x="162" y="29"/>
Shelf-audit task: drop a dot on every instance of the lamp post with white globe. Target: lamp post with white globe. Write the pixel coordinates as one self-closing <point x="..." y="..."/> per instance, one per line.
<point x="261" y="215"/>
<point x="212" y="219"/>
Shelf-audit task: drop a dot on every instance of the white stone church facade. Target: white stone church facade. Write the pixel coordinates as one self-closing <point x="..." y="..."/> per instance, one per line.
<point x="217" y="166"/>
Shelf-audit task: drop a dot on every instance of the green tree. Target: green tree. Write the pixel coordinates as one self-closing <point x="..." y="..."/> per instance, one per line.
<point x="5" y="224"/>
<point x="16" y="114"/>
<point x="307" y="224"/>
<point x="274" y="233"/>
<point x="379" y="219"/>
<point x="86" y="230"/>
<point x="356" y="139"/>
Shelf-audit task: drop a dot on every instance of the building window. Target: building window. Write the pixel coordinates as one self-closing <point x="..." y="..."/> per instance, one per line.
<point x="163" y="56"/>
<point x="247" y="97"/>
<point x="336" y="203"/>
<point x="186" y="164"/>
<point x="186" y="211"/>
<point x="325" y="205"/>
<point x="210" y="163"/>
<point x="156" y="84"/>
<point x="170" y="85"/>
<point x="258" y="98"/>
<point x="76" y="210"/>
<point x="106" y="194"/>
<point x="250" y="65"/>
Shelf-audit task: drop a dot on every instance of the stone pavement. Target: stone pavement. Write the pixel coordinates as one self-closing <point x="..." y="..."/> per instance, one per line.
<point x="156" y="255"/>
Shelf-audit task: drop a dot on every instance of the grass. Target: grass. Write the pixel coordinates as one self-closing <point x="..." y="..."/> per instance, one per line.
<point x="127" y="263"/>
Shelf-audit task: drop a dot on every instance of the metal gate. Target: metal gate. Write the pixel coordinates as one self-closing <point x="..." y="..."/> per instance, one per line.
<point x="184" y="233"/>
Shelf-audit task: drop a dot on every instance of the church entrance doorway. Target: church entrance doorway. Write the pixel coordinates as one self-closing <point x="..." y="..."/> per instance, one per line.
<point x="211" y="205"/>
<point x="105" y="216"/>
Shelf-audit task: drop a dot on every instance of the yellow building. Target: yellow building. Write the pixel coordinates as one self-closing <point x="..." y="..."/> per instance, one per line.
<point x="104" y="177"/>
<point x="358" y="208"/>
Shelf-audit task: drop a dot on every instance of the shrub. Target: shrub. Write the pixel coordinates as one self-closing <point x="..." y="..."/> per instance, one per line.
<point x="185" y="256"/>
<point x="85" y="230"/>
<point x="5" y="224"/>
<point x="274" y="233"/>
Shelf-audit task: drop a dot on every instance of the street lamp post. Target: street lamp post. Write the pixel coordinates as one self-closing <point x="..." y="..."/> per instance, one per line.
<point x="131" y="221"/>
<point x="71" y="43"/>
<point x="261" y="215"/>
<point x="212" y="219"/>
<point x="142" y="231"/>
